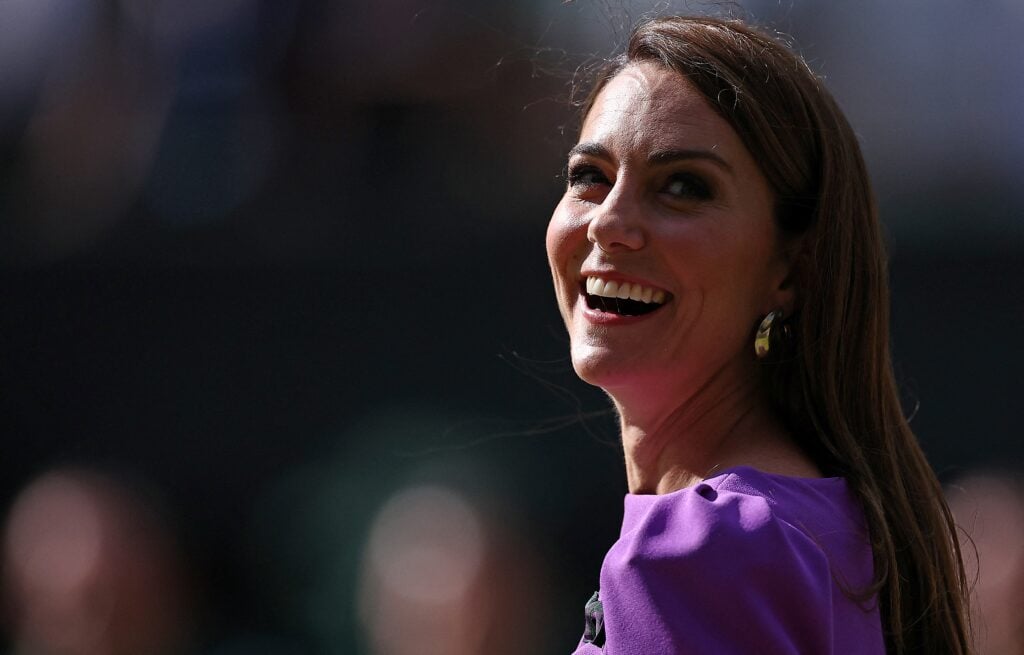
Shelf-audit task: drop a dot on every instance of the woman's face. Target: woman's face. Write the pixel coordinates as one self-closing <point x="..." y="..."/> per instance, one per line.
<point x="666" y="207"/>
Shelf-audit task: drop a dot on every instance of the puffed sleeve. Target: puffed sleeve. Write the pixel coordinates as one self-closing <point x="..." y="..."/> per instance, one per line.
<point x="704" y="570"/>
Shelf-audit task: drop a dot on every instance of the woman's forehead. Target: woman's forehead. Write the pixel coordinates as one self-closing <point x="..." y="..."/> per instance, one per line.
<point x="649" y="107"/>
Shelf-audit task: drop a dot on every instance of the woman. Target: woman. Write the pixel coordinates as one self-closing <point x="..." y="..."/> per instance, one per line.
<point x="719" y="266"/>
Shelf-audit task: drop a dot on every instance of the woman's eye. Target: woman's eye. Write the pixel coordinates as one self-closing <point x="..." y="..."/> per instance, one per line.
<point x="585" y="177"/>
<point x="688" y="185"/>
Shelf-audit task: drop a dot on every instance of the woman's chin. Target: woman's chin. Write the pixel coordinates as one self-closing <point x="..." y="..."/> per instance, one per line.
<point x="603" y="367"/>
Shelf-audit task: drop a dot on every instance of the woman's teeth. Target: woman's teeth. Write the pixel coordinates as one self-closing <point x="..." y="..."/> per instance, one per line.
<point x="624" y="291"/>
<point x="622" y="298"/>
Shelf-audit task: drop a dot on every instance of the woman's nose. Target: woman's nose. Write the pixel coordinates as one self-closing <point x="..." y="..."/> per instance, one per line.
<point x="616" y="224"/>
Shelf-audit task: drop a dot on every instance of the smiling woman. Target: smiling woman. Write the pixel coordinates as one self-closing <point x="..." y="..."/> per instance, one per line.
<point x="718" y="263"/>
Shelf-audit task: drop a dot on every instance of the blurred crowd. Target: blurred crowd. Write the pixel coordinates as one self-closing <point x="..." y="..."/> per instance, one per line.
<point x="435" y="560"/>
<point x="130" y="130"/>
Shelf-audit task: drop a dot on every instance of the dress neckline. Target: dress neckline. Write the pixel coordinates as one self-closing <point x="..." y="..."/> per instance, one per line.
<point x="744" y="471"/>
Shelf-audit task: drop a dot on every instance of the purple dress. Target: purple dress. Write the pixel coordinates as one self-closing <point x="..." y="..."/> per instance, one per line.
<point x="744" y="562"/>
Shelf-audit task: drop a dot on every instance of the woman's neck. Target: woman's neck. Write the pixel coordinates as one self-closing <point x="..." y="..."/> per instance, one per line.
<point x="718" y="427"/>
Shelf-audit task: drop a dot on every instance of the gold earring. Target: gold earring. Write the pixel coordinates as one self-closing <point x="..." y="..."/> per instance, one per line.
<point x="762" y="340"/>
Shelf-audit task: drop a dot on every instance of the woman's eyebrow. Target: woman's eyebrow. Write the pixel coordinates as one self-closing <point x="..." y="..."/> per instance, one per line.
<point x="658" y="157"/>
<point x="669" y="156"/>
<point x="589" y="148"/>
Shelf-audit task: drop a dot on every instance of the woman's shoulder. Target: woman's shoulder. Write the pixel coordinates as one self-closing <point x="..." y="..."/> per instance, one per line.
<point x="757" y="555"/>
<point x="756" y="531"/>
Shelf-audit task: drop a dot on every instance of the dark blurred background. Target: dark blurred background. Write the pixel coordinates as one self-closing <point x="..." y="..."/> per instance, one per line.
<point x="281" y="368"/>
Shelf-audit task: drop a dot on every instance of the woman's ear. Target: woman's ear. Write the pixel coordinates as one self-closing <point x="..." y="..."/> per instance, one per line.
<point x="786" y="281"/>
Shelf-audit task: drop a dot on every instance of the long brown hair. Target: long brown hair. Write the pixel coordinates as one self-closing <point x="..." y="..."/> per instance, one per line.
<point x="833" y="386"/>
